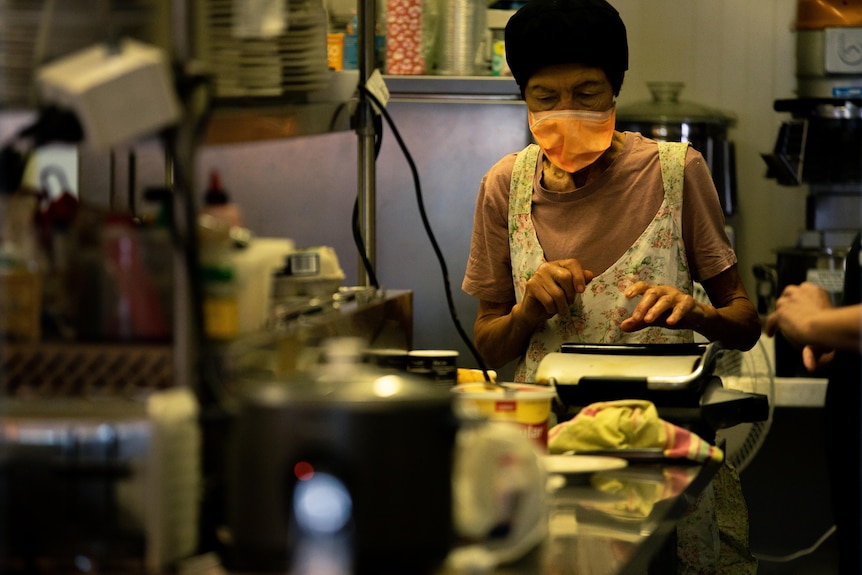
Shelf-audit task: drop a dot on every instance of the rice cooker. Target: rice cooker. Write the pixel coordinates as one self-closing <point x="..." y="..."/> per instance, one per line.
<point x="668" y="118"/>
<point x="352" y="462"/>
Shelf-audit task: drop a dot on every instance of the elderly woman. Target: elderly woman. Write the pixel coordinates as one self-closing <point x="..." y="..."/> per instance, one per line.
<point x="592" y="235"/>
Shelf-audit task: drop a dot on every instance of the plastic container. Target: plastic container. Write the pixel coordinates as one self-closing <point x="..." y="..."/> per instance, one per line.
<point x="437" y="365"/>
<point x="526" y="405"/>
<point x="218" y="203"/>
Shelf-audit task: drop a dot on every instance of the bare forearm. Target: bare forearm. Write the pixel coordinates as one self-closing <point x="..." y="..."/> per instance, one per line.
<point x="736" y="325"/>
<point x="502" y="338"/>
<point x="837" y="328"/>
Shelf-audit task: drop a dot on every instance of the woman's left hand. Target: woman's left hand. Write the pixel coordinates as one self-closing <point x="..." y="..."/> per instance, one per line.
<point x="662" y="306"/>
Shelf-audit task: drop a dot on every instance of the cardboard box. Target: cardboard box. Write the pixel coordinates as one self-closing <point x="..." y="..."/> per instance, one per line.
<point x="335" y="51"/>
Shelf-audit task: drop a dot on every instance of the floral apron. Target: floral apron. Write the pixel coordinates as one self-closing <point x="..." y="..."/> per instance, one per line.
<point x="595" y="316"/>
<point x="712" y="537"/>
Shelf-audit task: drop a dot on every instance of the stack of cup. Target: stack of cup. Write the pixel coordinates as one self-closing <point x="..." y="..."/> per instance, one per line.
<point x="462" y="28"/>
<point x="387" y="358"/>
<point x="438" y="365"/>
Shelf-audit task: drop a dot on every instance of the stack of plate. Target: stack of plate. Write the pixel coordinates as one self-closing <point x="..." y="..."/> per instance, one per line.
<point x="33" y="32"/>
<point x="293" y="61"/>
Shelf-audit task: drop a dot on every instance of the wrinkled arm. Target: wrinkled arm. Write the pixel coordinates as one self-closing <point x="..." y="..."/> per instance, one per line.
<point x="502" y="332"/>
<point x="730" y="318"/>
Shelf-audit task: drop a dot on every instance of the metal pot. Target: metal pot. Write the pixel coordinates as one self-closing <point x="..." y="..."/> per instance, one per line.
<point x="667" y="118"/>
<point x="352" y="463"/>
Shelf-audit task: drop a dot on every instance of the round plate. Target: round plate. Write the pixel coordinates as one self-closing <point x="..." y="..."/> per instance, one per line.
<point x="646" y="454"/>
<point x="580" y="464"/>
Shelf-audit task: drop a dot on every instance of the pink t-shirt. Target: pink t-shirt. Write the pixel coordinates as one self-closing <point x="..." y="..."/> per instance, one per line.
<point x="598" y="222"/>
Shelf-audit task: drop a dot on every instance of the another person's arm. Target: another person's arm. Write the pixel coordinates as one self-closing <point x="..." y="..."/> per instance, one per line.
<point x="805" y="316"/>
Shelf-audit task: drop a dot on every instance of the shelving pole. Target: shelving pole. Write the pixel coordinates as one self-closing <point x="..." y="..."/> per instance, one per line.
<point x="185" y="351"/>
<point x="366" y="193"/>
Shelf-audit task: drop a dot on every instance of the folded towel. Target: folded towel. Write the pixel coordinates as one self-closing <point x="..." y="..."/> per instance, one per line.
<point x="628" y="424"/>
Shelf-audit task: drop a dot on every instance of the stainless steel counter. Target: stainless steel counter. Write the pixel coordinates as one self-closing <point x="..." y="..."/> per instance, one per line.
<point x="606" y="524"/>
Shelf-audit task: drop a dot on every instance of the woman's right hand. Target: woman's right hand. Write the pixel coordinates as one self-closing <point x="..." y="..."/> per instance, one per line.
<point x="553" y="288"/>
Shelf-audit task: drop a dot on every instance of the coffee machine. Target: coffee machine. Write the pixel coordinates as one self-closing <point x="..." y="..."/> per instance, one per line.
<point x="820" y="146"/>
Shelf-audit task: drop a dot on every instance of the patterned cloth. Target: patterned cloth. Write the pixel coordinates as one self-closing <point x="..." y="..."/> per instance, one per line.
<point x="658" y="256"/>
<point x="628" y="424"/>
<point x="712" y="536"/>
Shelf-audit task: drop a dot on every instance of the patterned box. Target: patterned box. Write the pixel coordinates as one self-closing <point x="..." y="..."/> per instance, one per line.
<point x="405" y="37"/>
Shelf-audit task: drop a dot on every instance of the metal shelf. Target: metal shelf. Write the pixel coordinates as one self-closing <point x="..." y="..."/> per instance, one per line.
<point x="255" y="119"/>
<point x="460" y="89"/>
<point x="233" y="123"/>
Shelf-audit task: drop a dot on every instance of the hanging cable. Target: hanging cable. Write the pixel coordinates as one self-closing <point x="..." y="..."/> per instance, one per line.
<point x="209" y="387"/>
<point x="440" y="258"/>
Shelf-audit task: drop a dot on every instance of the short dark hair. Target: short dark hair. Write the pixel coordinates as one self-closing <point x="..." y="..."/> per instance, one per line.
<point x="547" y="32"/>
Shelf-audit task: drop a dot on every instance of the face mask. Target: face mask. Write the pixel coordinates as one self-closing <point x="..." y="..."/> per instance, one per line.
<point x="573" y="139"/>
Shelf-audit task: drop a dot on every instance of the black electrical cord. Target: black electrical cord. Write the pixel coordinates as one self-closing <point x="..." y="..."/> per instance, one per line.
<point x="209" y="389"/>
<point x="440" y="258"/>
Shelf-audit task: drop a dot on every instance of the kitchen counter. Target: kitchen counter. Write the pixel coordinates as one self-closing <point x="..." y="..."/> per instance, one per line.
<point x="619" y="522"/>
<point x="790" y="391"/>
<point x="615" y="522"/>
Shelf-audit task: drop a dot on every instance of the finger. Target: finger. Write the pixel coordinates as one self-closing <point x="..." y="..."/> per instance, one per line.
<point x="649" y="300"/>
<point x="680" y="310"/>
<point x="771" y="325"/>
<point x="636" y="289"/>
<point x="549" y="293"/>
<point x="809" y="358"/>
<point x="668" y="306"/>
<point x="578" y="276"/>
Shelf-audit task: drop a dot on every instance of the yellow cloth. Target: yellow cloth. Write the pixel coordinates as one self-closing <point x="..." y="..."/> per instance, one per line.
<point x="628" y="424"/>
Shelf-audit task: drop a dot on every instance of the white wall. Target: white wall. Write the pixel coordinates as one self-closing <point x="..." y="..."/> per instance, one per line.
<point x="737" y="56"/>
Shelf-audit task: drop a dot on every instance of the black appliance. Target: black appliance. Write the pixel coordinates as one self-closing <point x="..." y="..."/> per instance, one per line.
<point x="347" y="469"/>
<point x="682" y="380"/>
<point x="820" y="146"/>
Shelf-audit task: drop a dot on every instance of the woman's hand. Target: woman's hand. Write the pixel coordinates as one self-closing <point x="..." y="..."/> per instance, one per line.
<point x="662" y="306"/>
<point x="503" y="330"/>
<point x="553" y="288"/>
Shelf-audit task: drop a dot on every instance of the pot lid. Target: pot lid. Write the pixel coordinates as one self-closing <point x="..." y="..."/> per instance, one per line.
<point x="667" y="107"/>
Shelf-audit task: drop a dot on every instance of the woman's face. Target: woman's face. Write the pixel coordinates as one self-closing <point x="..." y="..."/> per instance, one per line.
<point x="569" y="87"/>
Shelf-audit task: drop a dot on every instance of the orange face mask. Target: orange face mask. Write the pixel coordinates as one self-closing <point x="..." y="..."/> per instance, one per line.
<point x="573" y="139"/>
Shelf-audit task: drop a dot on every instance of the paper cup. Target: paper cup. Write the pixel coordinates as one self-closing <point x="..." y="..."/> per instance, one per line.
<point x="388" y="358"/>
<point x="525" y="405"/>
<point x="438" y="365"/>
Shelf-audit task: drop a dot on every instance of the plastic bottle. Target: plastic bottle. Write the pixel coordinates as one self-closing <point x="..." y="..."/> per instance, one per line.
<point x="218" y="279"/>
<point x="221" y="302"/>
<point x="217" y="202"/>
<point x="351" y="44"/>
<point x="131" y="308"/>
